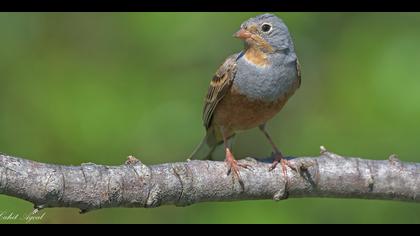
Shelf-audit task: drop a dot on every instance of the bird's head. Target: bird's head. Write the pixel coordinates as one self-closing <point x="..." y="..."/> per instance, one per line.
<point x="266" y="32"/>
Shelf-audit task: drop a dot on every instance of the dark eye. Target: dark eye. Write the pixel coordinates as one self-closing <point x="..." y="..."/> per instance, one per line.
<point x="266" y="27"/>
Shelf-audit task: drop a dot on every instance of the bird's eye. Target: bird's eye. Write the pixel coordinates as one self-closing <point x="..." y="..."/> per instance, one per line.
<point x="266" y="27"/>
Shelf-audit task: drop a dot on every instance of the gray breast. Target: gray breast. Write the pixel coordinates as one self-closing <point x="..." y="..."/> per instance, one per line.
<point x="266" y="83"/>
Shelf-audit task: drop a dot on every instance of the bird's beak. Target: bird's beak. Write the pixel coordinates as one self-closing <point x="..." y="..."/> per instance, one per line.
<point x="242" y="34"/>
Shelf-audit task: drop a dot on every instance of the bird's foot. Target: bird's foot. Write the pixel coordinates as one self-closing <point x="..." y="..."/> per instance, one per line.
<point x="234" y="166"/>
<point x="279" y="158"/>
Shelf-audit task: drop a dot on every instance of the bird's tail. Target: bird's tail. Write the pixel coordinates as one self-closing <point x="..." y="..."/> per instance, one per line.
<point x="205" y="149"/>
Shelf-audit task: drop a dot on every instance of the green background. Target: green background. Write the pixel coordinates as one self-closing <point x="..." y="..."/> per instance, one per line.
<point x="84" y="87"/>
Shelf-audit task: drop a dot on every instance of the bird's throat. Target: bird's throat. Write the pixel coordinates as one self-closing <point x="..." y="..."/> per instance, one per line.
<point x="256" y="56"/>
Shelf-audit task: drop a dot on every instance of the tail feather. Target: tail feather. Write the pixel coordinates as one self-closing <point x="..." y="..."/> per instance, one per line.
<point x="205" y="149"/>
<point x="208" y="145"/>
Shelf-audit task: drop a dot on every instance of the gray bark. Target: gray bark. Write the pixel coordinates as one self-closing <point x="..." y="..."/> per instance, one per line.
<point x="134" y="184"/>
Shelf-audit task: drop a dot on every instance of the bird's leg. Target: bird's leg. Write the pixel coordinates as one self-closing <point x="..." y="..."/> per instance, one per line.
<point x="278" y="158"/>
<point x="230" y="159"/>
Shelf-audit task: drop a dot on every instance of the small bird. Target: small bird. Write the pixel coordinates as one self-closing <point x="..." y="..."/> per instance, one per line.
<point x="250" y="88"/>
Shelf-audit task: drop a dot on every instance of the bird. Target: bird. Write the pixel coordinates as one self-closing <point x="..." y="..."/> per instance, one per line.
<point x="250" y="88"/>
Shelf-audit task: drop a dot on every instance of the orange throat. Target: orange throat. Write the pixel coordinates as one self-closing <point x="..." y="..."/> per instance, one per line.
<point x="256" y="56"/>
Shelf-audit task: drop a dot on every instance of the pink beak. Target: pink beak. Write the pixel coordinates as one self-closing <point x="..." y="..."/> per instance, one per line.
<point x="242" y="34"/>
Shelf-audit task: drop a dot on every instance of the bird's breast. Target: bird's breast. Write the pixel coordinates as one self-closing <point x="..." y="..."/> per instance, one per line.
<point x="255" y="97"/>
<point x="238" y="112"/>
<point x="266" y="83"/>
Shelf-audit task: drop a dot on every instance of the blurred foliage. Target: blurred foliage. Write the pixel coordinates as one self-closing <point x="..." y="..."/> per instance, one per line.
<point x="97" y="87"/>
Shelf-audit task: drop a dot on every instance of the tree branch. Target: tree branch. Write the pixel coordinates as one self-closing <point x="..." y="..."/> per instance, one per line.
<point x="134" y="184"/>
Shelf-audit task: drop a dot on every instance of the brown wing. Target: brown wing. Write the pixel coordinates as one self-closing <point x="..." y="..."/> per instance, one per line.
<point x="219" y="85"/>
<point x="298" y="72"/>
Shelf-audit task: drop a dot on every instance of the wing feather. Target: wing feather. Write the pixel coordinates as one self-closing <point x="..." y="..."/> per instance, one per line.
<point x="219" y="86"/>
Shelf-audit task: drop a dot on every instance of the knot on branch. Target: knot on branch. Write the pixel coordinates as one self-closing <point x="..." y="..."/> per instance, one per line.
<point x="185" y="177"/>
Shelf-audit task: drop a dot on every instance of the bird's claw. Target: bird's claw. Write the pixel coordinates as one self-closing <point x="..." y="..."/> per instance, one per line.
<point x="234" y="166"/>
<point x="283" y="162"/>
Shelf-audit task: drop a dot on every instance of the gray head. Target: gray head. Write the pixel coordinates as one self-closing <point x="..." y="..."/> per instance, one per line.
<point x="267" y="32"/>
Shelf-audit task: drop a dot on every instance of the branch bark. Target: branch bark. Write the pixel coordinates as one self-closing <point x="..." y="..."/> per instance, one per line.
<point x="134" y="184"/>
